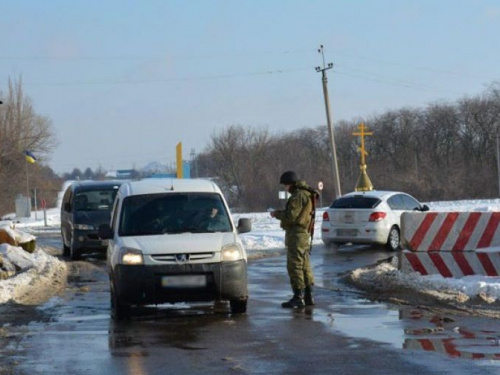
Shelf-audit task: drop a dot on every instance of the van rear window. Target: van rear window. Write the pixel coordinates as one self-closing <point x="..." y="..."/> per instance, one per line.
<point x="356" y="202"/>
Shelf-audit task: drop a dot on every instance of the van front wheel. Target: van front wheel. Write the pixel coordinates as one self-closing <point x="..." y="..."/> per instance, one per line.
<point x="238" y="306"/>
<point x="119" y="310"/>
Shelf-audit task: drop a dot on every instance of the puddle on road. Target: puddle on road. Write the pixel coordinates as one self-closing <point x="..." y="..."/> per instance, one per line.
<point x="469" y="338"/>
<point x="473" y="338"/>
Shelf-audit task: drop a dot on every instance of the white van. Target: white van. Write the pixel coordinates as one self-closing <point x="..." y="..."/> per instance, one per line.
<point x="173" y="240"/>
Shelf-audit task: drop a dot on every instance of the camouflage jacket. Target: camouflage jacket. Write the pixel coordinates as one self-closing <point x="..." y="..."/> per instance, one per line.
<point x="296" y="217"/>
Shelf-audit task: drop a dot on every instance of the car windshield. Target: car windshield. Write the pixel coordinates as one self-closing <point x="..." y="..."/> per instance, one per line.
<point x="173" y="213"/>
<point x="95" y="200"/>
<point x="356" y="201"/>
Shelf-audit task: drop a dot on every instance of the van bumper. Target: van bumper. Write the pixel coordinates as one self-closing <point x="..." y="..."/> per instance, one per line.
<point x="142" y="285"/>
<point x="88" y="240"/>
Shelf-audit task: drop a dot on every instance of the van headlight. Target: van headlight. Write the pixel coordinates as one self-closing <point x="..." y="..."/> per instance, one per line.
<point x="232" y="252"/>
<point x="83" y="226"/>
<point x="131" y="257"/>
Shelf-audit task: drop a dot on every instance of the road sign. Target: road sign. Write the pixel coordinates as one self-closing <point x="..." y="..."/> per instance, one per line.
<point x="43" y="203"/>
<point x="320" y="185"/>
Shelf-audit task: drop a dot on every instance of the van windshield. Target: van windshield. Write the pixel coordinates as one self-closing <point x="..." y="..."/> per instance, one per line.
<point x="173" y="213"/>
<point x="95" y="200"/>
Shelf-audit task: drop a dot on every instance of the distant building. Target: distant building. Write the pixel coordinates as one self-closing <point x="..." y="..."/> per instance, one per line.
<point x="122" y="174"/>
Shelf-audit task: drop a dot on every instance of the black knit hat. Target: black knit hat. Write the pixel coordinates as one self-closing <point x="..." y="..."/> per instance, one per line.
<point x="288" y="178"/>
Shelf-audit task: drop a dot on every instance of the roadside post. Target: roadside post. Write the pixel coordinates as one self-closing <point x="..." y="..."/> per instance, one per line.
<point x="320" y="188"/>
<point x="44" y="205"/>
<point x="36" y="208"/>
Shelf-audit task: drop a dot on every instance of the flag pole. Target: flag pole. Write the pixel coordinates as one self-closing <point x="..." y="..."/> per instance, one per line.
<point x="28" y="184"/>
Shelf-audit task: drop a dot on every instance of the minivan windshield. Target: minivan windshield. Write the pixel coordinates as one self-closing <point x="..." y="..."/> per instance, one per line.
<point x="173" y="213"/>
<point x="356" y="202"/>
<point x="95" y="200"/>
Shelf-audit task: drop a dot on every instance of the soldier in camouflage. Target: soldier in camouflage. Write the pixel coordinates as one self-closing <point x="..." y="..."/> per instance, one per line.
<point x="296" y="220"/>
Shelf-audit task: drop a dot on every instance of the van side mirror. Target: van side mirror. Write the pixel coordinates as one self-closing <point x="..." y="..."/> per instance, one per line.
<point x="244" y="225"/>
<point x="105" y="232"/>
<point x="67" y="207"/>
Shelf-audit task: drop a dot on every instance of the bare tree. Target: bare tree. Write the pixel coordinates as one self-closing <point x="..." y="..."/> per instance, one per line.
<point x="21" y="128"/>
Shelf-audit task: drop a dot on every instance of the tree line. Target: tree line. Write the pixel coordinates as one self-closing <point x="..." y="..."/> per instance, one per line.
<point x="445" y="151"/>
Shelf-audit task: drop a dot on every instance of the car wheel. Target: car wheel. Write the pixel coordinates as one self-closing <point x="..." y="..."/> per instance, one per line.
<point x="394" y="240"/>
<point x="119" y="310"/>
<point x="74" y="252"/>
<point x="238" y="306"/>
<point x="65" y="247"/>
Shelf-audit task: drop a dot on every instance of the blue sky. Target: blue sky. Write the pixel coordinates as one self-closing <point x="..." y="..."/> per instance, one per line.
<point x="124" y="81"/>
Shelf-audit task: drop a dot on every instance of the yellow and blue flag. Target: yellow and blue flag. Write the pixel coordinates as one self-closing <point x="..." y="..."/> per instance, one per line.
<point x="30" y="158"/>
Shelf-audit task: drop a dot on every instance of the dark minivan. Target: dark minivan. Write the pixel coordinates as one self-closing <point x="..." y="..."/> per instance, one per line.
<point x="85" y="206"/>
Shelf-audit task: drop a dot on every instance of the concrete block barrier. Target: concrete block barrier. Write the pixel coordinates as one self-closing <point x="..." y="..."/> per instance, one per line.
<point x="451" y="263"/>
<point x="450" y="231"/>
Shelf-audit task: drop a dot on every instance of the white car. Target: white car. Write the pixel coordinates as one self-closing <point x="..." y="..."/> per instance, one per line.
<point x="173" y="240"/>
<point x="371" y="217"/>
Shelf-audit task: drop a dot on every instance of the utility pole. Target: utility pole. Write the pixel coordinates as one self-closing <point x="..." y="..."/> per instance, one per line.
<point x="336" y="178"/>
<point x="498" y="157"/>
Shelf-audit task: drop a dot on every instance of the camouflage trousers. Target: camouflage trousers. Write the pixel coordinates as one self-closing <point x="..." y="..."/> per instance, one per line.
<point x="298" y="263"/>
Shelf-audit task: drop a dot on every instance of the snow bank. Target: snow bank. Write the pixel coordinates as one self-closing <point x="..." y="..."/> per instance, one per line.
<point x="39" y="275"/>
<point x="386" y="278"/>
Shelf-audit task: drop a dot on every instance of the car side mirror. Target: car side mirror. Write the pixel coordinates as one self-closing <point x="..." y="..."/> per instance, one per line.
<point x="105" y="232"/>
<point x="425" y="208"/>
<point x="244" y="225"/>
<point x="67" y="207"/>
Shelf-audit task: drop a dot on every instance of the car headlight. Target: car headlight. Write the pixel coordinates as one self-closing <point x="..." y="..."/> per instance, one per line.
<point x="232" y="252"/>
<point x="131" y="256"/>
<point x="84" y="226"/>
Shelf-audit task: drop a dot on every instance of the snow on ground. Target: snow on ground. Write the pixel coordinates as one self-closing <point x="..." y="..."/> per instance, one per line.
<point x="37" y="271"/>
<point x="267" y="239"/>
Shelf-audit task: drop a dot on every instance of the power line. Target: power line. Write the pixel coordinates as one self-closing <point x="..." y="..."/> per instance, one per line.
<point x="167" y="80"/>
<point x="158" y="57"/>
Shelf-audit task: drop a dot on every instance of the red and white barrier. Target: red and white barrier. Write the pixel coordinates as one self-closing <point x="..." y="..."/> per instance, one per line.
<point x="450" y="231"/>
<point x="452" y="244"/>
<point x="450" y="263"/>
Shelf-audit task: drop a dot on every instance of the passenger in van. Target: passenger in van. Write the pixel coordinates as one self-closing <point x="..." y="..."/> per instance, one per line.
<point x="215" y="222"/>
<point x="211" y="217"/>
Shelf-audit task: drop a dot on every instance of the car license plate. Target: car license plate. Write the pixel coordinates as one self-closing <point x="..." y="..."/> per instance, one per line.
<point x="347" y="232"/>
<point x="184" y="281"/>
<point x="349" y="217"/>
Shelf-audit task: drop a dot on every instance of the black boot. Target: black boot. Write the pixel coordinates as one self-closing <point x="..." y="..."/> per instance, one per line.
<point x="296" y="301"/>
<point x="308" y="297"/>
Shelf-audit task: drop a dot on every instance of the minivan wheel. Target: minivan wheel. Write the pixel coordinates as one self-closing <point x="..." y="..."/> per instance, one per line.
<point x="238" y="306"/>
<point x="74" y="253"/>
<point x="119" y="310"/>
<point x="394" y="240"/>
<point x="65" y="248"/>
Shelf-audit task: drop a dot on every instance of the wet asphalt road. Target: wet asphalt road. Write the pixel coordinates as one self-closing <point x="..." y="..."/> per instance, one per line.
<point x="343" y="334"/>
